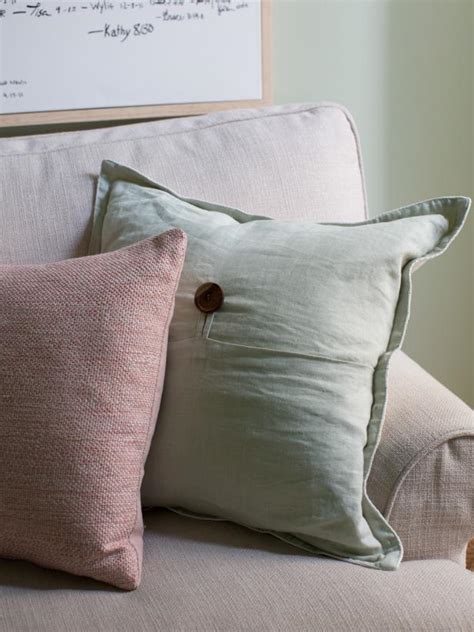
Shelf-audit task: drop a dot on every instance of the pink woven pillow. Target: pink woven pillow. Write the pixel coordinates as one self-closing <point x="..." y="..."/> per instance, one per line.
<point x="82" y="356"/>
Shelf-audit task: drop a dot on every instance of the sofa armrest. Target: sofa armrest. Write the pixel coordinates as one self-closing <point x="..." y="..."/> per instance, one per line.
<point x="423" y="472"/>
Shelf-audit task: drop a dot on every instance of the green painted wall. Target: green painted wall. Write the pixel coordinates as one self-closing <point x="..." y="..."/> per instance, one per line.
<point x="405" y="71"/>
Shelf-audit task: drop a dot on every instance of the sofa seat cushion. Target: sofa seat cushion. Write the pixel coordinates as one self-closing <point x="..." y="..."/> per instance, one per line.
<point x="208" y="576"/>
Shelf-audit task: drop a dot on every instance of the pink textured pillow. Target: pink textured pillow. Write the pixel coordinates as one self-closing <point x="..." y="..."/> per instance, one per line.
<point x="82" y="356"/>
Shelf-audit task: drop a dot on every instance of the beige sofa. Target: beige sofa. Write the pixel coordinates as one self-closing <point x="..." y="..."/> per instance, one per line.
<point x="298" y="161"/>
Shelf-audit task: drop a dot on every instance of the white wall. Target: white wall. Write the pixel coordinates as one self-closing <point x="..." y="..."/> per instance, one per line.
<point x="405" y="71"/>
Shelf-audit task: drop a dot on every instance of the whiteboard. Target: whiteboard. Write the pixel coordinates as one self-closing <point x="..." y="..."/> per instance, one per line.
<point x="74" y="55"/>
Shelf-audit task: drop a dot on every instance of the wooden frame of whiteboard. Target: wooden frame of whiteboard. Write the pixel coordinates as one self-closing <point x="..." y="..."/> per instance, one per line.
<point x="154" y="111"/>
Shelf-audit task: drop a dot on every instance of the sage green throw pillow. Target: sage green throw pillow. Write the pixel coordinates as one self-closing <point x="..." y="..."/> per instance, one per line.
<point x="275" y="387"/>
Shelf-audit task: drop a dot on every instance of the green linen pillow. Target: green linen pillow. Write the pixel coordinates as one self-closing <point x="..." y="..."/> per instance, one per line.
<point x="276" y="378"/>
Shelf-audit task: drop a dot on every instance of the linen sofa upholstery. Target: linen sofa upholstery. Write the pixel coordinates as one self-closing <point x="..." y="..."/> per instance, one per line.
<point x="219" y="577"/>
<point x="423" y="472"/>
<point x="290" y="161"/>
<point x="294" y="161"/>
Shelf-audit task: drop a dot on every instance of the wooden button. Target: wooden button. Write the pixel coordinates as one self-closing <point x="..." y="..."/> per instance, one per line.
<point x="208" y="298"/>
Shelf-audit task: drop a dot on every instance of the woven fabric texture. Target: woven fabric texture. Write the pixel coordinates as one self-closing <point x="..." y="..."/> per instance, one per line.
<point x="450" y="497"/>
<point x="422" y="474"/>
<point x="306" y="156"/>
<point x="218" y="577"/>
<point x="83" y="346"/>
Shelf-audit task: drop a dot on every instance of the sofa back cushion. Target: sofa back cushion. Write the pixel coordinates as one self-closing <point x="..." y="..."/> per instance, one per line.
<point x="291" y="161"/>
